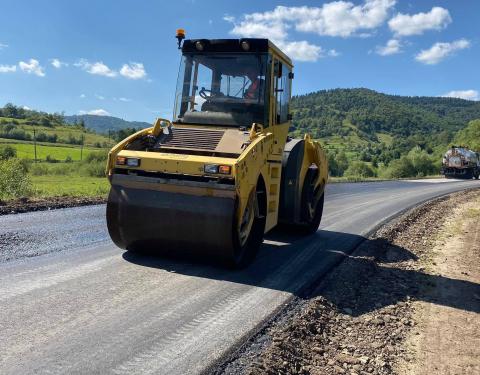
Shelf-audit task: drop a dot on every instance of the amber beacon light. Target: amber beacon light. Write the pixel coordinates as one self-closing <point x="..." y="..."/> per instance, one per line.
<point x="180" y="35"/>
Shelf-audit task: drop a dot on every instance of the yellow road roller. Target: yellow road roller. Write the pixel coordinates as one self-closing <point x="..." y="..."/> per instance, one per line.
<point x="224" y="171"/>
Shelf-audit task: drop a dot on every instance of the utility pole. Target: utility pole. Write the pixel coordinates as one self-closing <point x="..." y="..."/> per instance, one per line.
<point x="35" y="144"/>
<point x="81" y="147"/>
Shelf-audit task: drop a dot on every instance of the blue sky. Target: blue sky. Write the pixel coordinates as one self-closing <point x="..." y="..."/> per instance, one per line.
<point x="120" y="57"/>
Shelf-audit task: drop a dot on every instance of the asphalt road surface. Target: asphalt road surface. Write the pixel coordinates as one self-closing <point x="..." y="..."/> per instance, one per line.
<point x="71" y="302"/>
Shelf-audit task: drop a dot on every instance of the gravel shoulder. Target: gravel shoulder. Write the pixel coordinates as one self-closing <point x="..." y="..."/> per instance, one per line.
<point x="44" y="204"/>
<point x="446" y="339"/>
<point x="407" y="301"/>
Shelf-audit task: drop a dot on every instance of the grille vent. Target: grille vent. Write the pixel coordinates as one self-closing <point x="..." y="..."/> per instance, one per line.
<point x="202" y="139"/>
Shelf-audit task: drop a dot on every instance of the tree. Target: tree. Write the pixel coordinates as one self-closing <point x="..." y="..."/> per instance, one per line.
<point x="470" y="135"/>
<point x="401" y="168"/>
<point x="359" y="169"/>
<point x="421" y="161"/>
<point x="10" y="110"/>
<point x="342" y="161"/>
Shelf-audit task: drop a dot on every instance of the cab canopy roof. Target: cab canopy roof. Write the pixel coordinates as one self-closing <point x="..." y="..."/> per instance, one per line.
<point x="233" y="46"/>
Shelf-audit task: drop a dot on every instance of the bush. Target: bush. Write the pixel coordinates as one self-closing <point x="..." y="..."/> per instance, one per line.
<point x="68" y="159"/>
<point x="57" y="169"/>
<point x="97" y="156"/>
<point x="422" y="162"/>
<point x="73" y="141"/>
<point x="39" y="169"/>
<point x="95" y="169"/>
<point x="26" y="164"/>
<point x="337" y="163"/>
<point x="16" y="134"/>
<point x="359" y="169"/>
<point x="7" y="152"/>
<point x="400" y="168"/>
<point x="14" y="181"/>
<point x="417" y="163"/>
<point x="42" y="137"/>
<point x="51" y="159"/>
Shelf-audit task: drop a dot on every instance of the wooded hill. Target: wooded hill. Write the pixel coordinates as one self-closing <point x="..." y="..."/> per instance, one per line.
<point x="105" y="124"/>
<point x="366" y="129"/>
<point x="365" y="112"/>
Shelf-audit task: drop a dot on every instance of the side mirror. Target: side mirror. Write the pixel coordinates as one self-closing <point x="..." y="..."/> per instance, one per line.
<point x="161" y="125"/>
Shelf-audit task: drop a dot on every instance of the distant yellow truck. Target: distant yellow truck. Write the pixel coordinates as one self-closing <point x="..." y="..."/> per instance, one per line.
<point x="224" y="171"/>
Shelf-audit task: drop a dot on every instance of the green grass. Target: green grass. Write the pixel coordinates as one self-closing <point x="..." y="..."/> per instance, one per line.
<point x="74" y="186"/>
<point x="63" y="132"/>
<point x="25" y="150"/>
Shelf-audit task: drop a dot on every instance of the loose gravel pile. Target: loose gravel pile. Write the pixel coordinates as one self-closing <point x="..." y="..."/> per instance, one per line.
<point x="359" y="316"/>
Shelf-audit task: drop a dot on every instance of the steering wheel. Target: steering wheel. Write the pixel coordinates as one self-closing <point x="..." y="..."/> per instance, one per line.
<point x="203" y="93"/>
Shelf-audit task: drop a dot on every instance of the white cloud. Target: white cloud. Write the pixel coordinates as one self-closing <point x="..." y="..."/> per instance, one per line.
<point x="124" y="99"/>
<point x="301" y="51"/>
<point x="333" y="53"/>
<point x="392" y="47"/>
<point x="83" y="96"/>
<point x="2" y="45"/>
<point x="96" y="68"/>
<point x="96" y="112"/>
<point x="26" y="108"/>
<point x="32" y="67"/>
<point x="99" y="97"/>
<point x="133" y="71"/>
<point x="440" y="51"/>
<point x="337" y="18"/>
<point x="8" y="68"/>
<point x="463" y="94"/>
<point x="101" y="69"/>
<point x="56" y="63"/>
<point x="405" y="24"/>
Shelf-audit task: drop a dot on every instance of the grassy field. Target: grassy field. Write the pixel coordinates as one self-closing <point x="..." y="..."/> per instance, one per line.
<point x="63" y="132"/>
<point x="75" y="178"/>
<point x="74" y="186"/>
<point x="25" y="150"/>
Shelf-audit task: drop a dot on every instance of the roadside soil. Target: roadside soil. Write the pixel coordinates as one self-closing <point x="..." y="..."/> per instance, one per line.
<point x="407" y="301"/>
<point x="41" y="204"/>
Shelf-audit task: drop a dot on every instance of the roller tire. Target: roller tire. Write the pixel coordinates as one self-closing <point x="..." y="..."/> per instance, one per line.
<point x="246" y="253"/>
<point x="310" y="220"/>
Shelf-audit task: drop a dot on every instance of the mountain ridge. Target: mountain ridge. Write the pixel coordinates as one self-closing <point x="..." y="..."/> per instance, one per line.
<point x="104" y="124"/>
<point x="338" y="111"/>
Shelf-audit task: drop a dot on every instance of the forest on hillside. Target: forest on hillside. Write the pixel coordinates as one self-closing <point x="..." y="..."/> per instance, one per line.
<point x="371" y="130"/>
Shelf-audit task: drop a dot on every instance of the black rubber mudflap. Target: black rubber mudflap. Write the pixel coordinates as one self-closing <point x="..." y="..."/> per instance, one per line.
<point x="165" y="222"/>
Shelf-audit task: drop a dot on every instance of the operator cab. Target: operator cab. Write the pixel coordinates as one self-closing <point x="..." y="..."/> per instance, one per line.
<point x="224" y="82"/>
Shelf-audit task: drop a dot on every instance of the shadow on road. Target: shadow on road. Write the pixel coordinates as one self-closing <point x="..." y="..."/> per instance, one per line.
<point x="296" y="265"/>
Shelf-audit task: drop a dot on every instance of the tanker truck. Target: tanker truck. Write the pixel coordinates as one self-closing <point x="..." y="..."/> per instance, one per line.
<point x="460" y="162"/>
